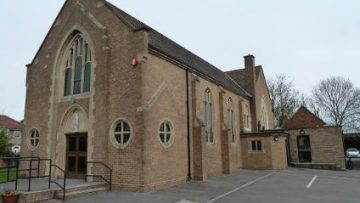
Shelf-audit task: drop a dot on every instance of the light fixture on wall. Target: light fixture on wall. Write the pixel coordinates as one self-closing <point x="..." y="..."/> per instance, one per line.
<point x="134" y="62"/>
<point x="302" y="132"/>
<point x="276" y="138"/>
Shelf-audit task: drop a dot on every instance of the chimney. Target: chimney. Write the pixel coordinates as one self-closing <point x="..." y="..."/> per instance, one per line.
<point x="249" y="61"/>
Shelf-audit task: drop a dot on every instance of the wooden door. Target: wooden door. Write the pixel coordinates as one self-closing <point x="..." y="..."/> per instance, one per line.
<point x="76" y="155"/>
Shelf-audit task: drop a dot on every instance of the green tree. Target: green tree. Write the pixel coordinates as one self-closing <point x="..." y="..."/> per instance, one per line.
<point x="5" y="145"/>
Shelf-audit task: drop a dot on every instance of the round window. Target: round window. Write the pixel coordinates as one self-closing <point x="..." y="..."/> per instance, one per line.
<point x="122" y="133"/>
<point x="34" y="138"/>
<point x="165" y="133"/>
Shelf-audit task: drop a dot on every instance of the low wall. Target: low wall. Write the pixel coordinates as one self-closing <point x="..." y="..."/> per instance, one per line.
<point x="272" y="155"/>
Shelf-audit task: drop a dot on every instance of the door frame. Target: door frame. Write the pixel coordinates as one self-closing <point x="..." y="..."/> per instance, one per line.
<point x="76" y="174"/>
<point x="302" y="150"/>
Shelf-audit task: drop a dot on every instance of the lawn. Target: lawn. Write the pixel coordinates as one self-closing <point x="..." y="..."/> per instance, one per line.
<point x="3" y="174"/>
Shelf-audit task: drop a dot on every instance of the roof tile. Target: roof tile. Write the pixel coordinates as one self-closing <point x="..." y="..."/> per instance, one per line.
<point x="166" y="46"/>
<point x="9" y="123"/>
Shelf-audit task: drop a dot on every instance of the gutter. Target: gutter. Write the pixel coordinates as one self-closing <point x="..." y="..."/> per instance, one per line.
<point x="188" y="124"/>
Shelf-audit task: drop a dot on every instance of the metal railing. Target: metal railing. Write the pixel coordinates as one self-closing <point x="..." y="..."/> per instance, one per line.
<point x="10" y="169"/>
<point x="108" y="181"/>
<point x="30" y="169"/>
<point x="63" y="187"/>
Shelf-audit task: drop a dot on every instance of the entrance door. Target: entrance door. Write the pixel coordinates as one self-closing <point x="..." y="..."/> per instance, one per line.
<point x="76" y="155"/>
<point x="304" y="149"/>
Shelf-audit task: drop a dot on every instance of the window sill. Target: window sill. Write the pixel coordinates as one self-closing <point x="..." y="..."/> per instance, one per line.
<point x="247" y="129"/>
<point x="256" y="152"/>
<point x="210" y="143"/>
<point x="77" y="96"/>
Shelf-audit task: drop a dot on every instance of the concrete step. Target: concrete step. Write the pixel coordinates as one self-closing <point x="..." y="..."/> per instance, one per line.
<point x="85" y="186"/>
<point x="79" y="192"/>
<point x="323" y="166"/>
<point x="71" y="191"/>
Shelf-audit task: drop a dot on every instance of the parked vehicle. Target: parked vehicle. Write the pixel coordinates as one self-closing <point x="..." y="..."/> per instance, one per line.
<point x="352" y="152"/>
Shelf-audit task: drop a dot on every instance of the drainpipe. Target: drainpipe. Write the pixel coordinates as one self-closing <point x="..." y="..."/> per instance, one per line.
<point x="188" y="123"/>
<point x="288" y="152"/>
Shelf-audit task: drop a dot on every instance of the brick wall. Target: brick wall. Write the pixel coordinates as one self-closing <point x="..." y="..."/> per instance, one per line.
<point x="326" y="145"/>
<point x="272" y="156"/>
<point x="303" y="118"/>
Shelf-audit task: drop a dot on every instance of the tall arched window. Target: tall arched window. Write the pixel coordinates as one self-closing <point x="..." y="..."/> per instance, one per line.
<point x="208" y="116"/>
<point x="264" y="118"/>
<point x="230" y="119"/>
<point x="247" y="119"/>
<point x="67" y="89"/>
<point x="78" y="67"/>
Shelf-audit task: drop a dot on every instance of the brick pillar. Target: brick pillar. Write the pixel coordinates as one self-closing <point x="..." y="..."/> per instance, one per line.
<point x="225" y="156"/>
<point x="197" y="138"/>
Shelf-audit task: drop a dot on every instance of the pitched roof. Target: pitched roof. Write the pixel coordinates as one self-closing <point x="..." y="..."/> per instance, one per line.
<point x="304" y="118"/>
<point x="171" y="49"/>
<point x="239" y="76"/>
<point x="9" y="123"/>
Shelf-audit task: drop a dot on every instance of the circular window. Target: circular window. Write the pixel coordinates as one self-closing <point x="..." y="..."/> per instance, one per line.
<point x="122" y="133"/>
<point x="34" y="138"/>
<point x="165" y="133"/>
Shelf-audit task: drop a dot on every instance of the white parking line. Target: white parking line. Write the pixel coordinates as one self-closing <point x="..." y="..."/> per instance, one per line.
<point x="311" y="182"/>
<point x="185" y="201"/>
<point x="239" y="188"/>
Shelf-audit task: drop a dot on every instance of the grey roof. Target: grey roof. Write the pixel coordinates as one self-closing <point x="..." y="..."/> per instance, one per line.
<point x="238" y="75"/>
<point x="166" y="46"/>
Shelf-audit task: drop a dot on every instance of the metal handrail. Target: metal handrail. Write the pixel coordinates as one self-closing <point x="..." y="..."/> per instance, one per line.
<point x="31" y="169"/>
<point x="63" y="187"/>
<point x="108" y="181"/>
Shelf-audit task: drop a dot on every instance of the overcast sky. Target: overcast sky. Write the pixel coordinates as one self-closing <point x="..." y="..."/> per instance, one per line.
<point x="307" y="40"/>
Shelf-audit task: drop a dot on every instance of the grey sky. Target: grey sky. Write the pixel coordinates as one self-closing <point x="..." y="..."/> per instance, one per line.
<point x="307" y="40"/>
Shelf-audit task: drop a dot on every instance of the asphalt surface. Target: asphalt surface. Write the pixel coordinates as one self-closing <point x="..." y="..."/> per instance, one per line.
<point x="292" y="185"/>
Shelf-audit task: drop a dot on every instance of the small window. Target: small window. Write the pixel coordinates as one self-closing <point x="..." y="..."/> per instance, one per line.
<point x="256" y="146"/>
<point x="165" y="133"/>
<point x="122" y="133"/>
<point x="17" y="134"/>
<point x="34" y="138"/>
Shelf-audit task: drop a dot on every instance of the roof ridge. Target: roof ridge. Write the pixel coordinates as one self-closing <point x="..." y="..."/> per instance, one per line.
<point x="134" y="23"/>
<point x="233" y="70"/>
<point x="311" y="113"/>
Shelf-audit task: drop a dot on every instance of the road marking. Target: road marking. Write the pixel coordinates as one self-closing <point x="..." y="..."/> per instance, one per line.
<point x="239" y="188"/>
<point x="185" y="201"/>
<point x="311" y="182"/>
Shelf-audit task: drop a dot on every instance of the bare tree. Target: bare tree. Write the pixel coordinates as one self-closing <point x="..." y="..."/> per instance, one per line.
<point x="338" y="100"/>
<point x="284" y="98"/>
<point x="310" y="104"/>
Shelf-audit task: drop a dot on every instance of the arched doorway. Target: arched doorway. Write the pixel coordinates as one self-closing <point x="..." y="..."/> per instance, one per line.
<point x="72" y="145"/>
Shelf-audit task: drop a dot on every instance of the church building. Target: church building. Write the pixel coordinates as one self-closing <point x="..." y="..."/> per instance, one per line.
<point x="106" y="87"/>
